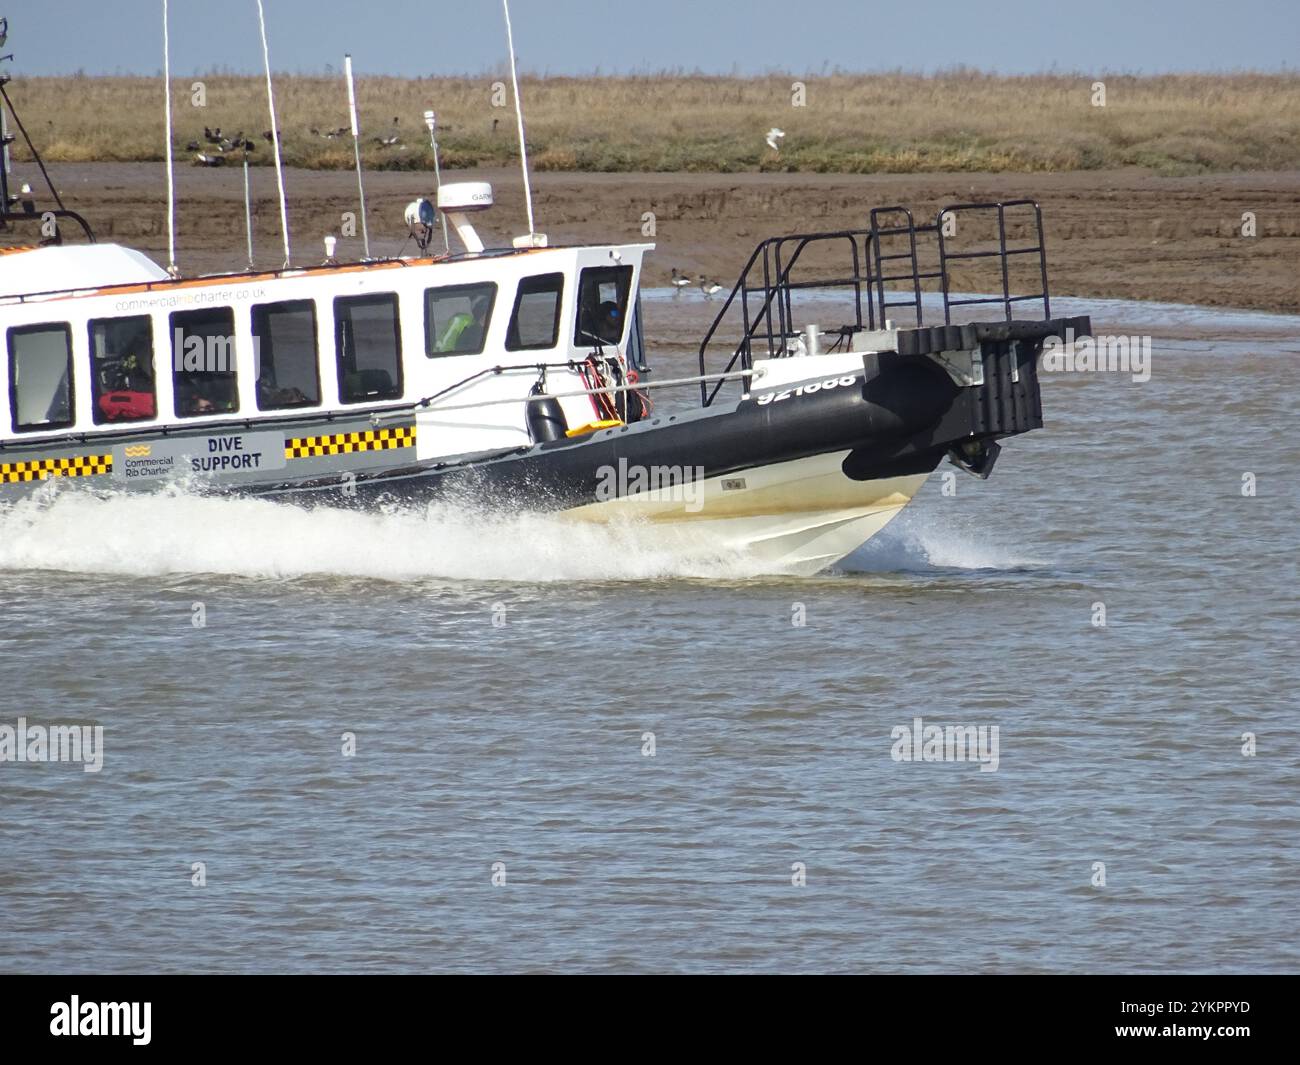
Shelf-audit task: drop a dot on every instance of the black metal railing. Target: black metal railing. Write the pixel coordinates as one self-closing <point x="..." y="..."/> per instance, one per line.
<point x="892" y="251"/>
<point x="880" y="236"/>
<point x="1003" y="255"/>
<point x="776" y="290"/>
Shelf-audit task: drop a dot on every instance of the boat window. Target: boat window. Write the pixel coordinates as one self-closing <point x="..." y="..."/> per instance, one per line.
<point x="535" y="322"/>
<point x="40" y="377"/>
<point x="368" y="342"/>
<point x="456" y="318"/>
<point x="602" y="305"/>
<point x="122" y="383"/>
<point x="203" y="362"/>
<point x="284" y="339"/>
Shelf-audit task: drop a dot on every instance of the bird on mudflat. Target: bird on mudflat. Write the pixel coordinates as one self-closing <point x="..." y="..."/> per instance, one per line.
<point x="679" y="280"/>
<point x="709" y="288"/>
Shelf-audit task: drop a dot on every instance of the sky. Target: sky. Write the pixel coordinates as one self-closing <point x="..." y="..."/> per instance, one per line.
<point x="426" y="37"/>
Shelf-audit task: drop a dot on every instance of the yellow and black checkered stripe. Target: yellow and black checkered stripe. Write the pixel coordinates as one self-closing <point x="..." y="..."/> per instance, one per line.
<point x="41" y="469"/>
<point x="307" y="447"/>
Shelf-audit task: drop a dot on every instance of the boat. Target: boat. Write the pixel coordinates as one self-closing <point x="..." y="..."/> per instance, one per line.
<point x="518" y="377"/>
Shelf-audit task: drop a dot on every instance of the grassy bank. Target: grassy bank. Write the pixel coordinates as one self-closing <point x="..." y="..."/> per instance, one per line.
<point x="896" y="123"/>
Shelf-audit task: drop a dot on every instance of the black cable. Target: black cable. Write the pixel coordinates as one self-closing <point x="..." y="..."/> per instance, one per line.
<point x="32" y="148"/>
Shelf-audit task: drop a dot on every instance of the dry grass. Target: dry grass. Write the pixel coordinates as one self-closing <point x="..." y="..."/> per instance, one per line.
<point x="898" y="123"/>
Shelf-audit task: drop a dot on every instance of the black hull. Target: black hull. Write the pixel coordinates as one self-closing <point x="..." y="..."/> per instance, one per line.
<point x="900" y="415"/>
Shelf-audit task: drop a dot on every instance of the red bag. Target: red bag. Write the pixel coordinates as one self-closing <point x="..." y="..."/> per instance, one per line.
<point x="126" y="406"/>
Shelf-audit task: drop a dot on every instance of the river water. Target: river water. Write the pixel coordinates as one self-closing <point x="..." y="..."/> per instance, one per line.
<point x="507" y="808"/>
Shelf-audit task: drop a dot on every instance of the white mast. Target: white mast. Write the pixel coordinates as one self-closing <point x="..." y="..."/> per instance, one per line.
<point x="431" y="123"/>
<point x="356" y="148"/>
<point x="519" y="118"/>
<point x="275" y="132"/>
<point x="248" y="212"/>
<point x="171" y="165"/>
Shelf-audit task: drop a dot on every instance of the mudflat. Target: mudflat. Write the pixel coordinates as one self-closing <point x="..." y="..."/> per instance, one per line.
<point x="1127" y="234"/>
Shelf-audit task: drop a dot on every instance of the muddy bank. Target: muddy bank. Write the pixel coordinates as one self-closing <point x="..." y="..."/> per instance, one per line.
<point x="1123" y="234"/>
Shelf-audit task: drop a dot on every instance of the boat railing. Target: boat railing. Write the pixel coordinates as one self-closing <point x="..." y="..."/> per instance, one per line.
<point x="11" y="219"/>
<point x="47" y="219"/>
<point x="885" y="269"/>
<point x="757" y="300"/>
<point x="1002" y="253"/>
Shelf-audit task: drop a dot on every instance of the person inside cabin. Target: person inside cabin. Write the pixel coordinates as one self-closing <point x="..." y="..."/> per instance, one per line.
<point x="601" y="321"/>
<point x="206" y="393"/>
<point x="465" y="331"/>
<point x="272" y="397"/>
<point x="204" y="351"/>
<point x="609" y="322"/>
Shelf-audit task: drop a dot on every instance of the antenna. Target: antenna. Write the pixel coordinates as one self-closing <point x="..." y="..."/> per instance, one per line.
<point x="356" y="148"/>
<point x="5" y="139"/>
<point x="519" y="118"/>
<point x="4" y="162"/>
<point x="275" y="132"/>
<point x="28" y="204"/>
<point x="172" y="268"/>
<point x="431" y="120"/>
<point x="248" y="209"/>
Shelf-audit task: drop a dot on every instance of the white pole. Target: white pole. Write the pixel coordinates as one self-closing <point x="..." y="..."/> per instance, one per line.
<point x="275" y="132"/>
<point x="171" y="165"/>
<point x="356" y="148"/>
<point x="248" y="212"/>
<point x="432" y="401"/>
<point x="431" y="120"/>
<point x="519" y="117"/>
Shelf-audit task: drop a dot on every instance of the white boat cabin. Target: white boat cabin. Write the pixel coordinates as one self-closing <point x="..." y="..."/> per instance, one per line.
<point x="98" y="340"/>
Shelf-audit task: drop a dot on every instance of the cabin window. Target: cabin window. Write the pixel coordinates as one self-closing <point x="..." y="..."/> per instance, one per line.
<point x="122" y="382"/>
<point x="368" y="342"/>
<point x="40" y="377"/>
<point x="602" y="305"/>
<point x="456" y="318"/>
<point x="203" y="362"/>
<point x="535" y="322"/>
<point x="284" y="338"/>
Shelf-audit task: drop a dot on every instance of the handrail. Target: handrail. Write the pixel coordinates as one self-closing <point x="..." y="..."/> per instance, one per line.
<point x="428" y="403"/>
<point x="7" y="217"/>
<point x="913" y="275"/>
<point x="855" y="279"/>
<point x="717" y="321"/>
<point x="1002" y="252"/>
<point x="742" y="352"/>
<point x="773" y="290"/>
<point x="870" y="266"/>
